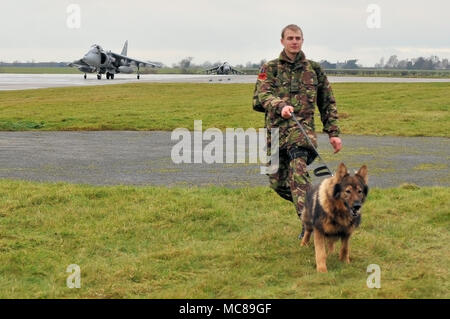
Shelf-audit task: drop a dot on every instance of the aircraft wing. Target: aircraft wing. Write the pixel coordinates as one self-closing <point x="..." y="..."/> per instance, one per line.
<point x="78" y="63"/>
<point x="212" y="69"/>
<point x="234" y="71"/>
<point x="137" y="62"/>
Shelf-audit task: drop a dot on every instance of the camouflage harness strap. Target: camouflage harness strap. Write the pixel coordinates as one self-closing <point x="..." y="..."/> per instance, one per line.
<point x="321" y="170"/>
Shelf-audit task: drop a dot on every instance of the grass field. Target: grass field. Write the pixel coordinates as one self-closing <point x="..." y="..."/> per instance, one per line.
<point x="39" y="70"/>
<point x="154" y="242"/>
<point x="73" y="70"/>
<point x="390" y="73"/>
<point x="413" y="109"/>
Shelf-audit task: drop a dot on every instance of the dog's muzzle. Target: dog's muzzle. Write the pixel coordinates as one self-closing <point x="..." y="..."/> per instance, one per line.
<point x="356" y="209"/>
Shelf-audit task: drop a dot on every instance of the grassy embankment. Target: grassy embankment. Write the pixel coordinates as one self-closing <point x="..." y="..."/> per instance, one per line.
<point x="414" y="109"/>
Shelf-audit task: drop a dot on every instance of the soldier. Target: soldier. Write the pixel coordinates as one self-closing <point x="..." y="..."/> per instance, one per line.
<point x="289" y="84"/>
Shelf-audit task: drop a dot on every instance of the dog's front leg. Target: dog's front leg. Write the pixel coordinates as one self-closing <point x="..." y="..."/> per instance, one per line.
<point x="331" y="242"/>
<point x="321" y="254"/>
<point x="344" y="255"/>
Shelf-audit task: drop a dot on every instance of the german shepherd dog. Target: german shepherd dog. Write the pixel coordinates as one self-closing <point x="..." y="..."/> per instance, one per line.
<point x="333" y="211"/>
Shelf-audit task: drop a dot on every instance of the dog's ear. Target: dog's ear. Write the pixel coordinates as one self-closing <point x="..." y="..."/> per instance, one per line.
<point x="363" y="173"/>
<point x="341" y="172"/>
<point x="337" y="191"/>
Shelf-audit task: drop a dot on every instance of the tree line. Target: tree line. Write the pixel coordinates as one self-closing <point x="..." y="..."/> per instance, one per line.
<point x="187" y="63"/>
<point x="420" y="63"/>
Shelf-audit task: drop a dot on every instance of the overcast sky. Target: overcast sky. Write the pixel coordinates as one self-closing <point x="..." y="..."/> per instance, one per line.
<point x="237" y="31"/>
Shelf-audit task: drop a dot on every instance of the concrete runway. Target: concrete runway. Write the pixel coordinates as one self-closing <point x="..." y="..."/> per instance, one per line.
<point x="144" y="158"/>
<point x="39" y="81"/>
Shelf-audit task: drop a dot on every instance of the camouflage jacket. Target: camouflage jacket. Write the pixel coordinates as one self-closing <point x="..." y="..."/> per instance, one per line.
<point x="301" y="84"/>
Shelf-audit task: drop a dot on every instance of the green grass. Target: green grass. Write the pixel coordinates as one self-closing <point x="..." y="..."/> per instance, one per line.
<point x="39" y="70"/>
<point x="74" y="70"/>
<point x="157" y="242"/>
<point x="371" y="72"/>
<point x="414" y="109"/>
<point x="398" y="109"/>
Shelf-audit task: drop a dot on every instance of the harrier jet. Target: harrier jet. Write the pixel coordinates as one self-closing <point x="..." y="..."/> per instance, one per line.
<point x="99" y="61"/>
<point x="224" y="68"/>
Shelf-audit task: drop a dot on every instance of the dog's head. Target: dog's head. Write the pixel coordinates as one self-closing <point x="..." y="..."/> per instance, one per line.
<point x="351" y="190"/>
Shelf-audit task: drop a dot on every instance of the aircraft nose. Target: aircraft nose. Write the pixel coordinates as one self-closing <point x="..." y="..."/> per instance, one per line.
<point x="91" y="59"/>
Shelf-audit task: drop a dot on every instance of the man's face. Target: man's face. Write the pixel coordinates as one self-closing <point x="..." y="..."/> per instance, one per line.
<point x="292" y="41"/>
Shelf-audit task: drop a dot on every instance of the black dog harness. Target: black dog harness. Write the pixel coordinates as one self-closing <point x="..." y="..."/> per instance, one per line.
<point x="311" y="154"/>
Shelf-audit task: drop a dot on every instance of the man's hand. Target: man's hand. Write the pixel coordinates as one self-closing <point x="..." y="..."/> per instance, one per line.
<point x="286" y="111"/>
<point x="336" y="143"/>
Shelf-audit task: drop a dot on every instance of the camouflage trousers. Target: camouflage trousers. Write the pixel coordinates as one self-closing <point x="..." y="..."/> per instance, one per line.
<point x="291" y="181"/>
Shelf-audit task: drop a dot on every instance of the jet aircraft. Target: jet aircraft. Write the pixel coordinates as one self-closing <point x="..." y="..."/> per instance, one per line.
<point x="99" y="61"/>
<point x="224" y="68"/>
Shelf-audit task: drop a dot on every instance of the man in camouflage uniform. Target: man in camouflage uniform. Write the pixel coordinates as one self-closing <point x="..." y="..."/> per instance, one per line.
<point x="289" y="84"/>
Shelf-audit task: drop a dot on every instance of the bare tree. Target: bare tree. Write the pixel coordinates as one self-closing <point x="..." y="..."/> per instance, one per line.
<point x="186" y="63"/>
<point x="392" y="62"/>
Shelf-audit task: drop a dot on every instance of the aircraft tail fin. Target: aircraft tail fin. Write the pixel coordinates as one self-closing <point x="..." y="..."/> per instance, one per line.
<point x="125" y="48"/>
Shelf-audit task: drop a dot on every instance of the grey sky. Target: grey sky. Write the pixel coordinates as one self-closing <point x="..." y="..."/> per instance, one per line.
<point x="232" y="30"/>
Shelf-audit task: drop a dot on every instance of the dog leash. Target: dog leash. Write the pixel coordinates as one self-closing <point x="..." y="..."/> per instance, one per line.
<point x="321" y="170"/>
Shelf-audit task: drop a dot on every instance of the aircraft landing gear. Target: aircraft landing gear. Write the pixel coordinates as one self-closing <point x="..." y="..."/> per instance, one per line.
<point x="99" y="76"/>
<point x="138" y="75"/>
<point x="109" y="76"/>
<point x="85" y="76"/>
